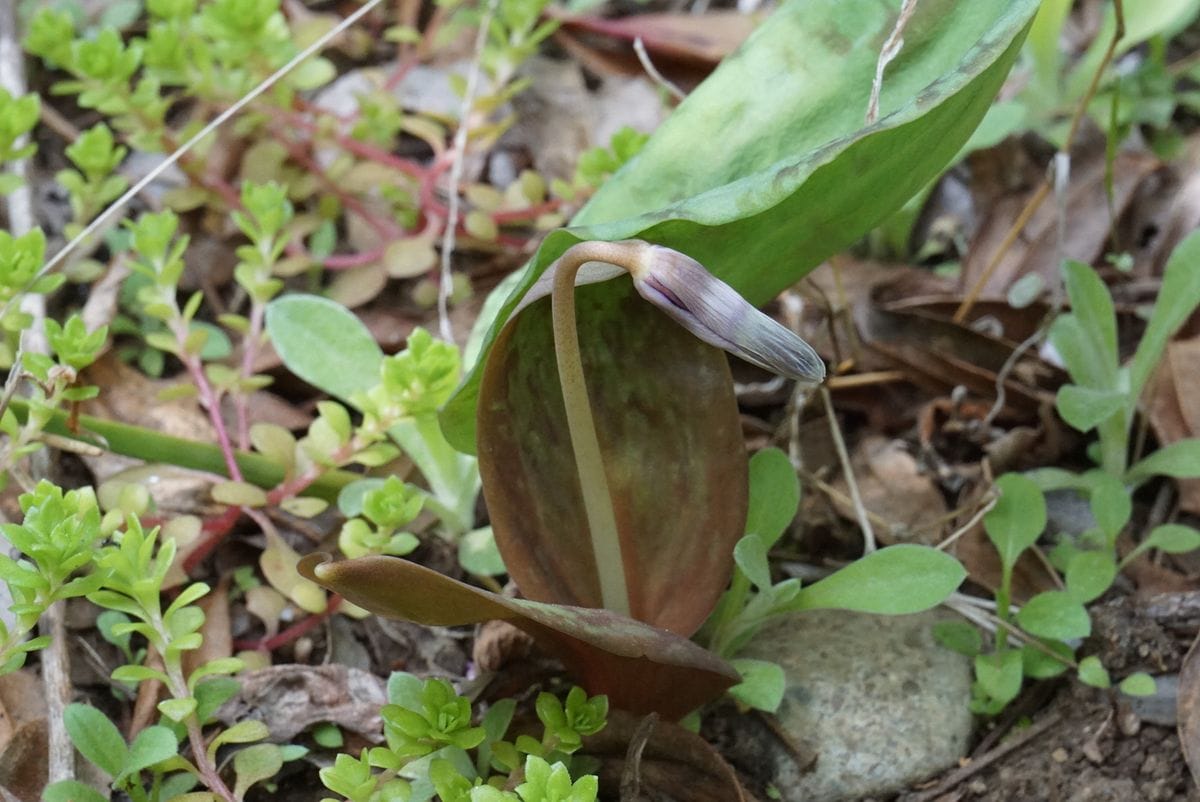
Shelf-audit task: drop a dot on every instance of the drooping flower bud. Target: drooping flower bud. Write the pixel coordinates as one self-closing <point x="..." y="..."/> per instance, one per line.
<point x="713" y="311"/>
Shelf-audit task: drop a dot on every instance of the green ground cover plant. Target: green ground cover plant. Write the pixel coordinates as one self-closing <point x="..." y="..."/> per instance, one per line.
<point x="1103" y="397"/>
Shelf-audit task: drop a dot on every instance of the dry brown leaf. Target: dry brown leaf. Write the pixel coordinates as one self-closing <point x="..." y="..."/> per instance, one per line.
<point x="23" y="735"/>
<point x="698" y="39"/>
<point x="291" y="698"/>
<point x="1187" y="709"/>
<point x="894" y="487"/>
<point x="497" y="643"/>
<point x="674" y="763"/>
<point x="1174" y="407"/>
<point x="218" y="636"/>
<point x="265" y="407"/>
<point x="1086" y="233"/>
<point x="130" y="397"/>
<point x="942" y="354"/>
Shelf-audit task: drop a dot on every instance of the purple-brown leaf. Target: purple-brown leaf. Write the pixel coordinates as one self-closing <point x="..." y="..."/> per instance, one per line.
<point x="642" y="669"/>
<point x="670" y="437"/>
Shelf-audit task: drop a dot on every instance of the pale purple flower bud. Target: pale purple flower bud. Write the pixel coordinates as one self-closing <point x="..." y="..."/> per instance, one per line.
<point x="713" y="311"/>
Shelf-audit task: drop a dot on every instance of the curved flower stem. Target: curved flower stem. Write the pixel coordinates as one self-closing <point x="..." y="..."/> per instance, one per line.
<point x="593" y="481"/>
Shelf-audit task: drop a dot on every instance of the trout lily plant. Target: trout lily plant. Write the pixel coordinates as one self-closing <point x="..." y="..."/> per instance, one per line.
<point x="617" y="482"/>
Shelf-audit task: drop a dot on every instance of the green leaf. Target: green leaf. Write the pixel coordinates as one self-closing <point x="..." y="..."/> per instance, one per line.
<point x="134" y="673"/>
<point x="1089" y="574"/>
<point x="750" y="554"/>
<point x="324" y="344"/>
<point x="1055" y="614"/>
<point x="1085" y="408"/>
<point x="1179" y="460"/>
<point x="1138" y="683"/>
<point x="477" y="553"/>
<point x="774" y="495"/>
<point x="212" y="693"/>
<point x="1000" y="674"/>
<point x="1087" y="337"/>
<point x="1018" y="518"/>
<point x="749" y="167"/>
<point x="350" y="498"/>
<point x="244" y="732"/>
<point x="328" y="735"/>
<point x="72" y="791"/>
<point x="1111" y="505"/>
<point x="959" y="636"/>
<point x="899" y="579"/>
<point x="152" y="745"/>
<point x="254" y="764"/>
<point x="177" y="709"/>
<point x="762" y="685"/>
<point x="1039" y="665"/>
<point x="1091" y="672"/>
<point x="1173" y="538"/>
<point x="96" y="738"/>
<point x="1176" y="300"/>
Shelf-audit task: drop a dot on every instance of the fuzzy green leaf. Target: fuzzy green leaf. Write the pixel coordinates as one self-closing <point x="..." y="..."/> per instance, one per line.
<point x="1055" y="614"/>
<point x="72" y="791"/>
<point x="1176" y="300"/>
<point x="762" y="685"/>
<point x="1085" y="408"/>
<point x="774" y="495"/>
<point x="1018" y="518"/>
<point x="899" y="579"/>
<point x="324" y="344"/>
<point x="1091" y="672"/>
<point x="1179" y="460"/>
<point x="97" y="738"/>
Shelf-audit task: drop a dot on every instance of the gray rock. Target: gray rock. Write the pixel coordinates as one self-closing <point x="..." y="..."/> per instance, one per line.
<point x="875" y="701"/>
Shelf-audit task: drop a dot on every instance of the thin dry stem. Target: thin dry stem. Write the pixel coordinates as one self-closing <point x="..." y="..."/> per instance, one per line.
<point x="56" y="661"/>
<point x="969" y="525"/>
<point x="674" y="91"/>
<point x="456" y="170"/>
<point x="860" y="510"/>
<point x="887" y="53"/>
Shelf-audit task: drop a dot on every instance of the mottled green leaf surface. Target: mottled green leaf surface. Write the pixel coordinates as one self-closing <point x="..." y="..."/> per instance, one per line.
<point x="769" y="167"/>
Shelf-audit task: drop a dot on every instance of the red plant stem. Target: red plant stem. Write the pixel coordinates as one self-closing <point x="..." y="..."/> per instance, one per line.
<point x="346" y="261"/>
<point x="296" y="630"/>
<point x="215" y="530"/>
<point x="385" y="228"/>
<point x="528" y="213"/>
<point x="420" y="51"/>
<point x="358" y="148"/>
<point x="241" y="401"/>
<point x="210" y="400"/>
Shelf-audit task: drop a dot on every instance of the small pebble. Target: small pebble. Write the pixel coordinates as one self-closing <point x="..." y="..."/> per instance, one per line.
<point x="1059" y="755"/>
<point x="1128" y="722"/>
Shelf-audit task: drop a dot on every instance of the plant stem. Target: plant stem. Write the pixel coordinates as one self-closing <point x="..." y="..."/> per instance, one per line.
<point x="152" y="446"/>
<point x="593" y="481"/>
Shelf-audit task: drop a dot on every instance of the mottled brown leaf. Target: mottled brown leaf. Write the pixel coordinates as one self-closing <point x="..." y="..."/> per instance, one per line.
<point x="668" y="426"/>
<point x="642" y="669"/>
